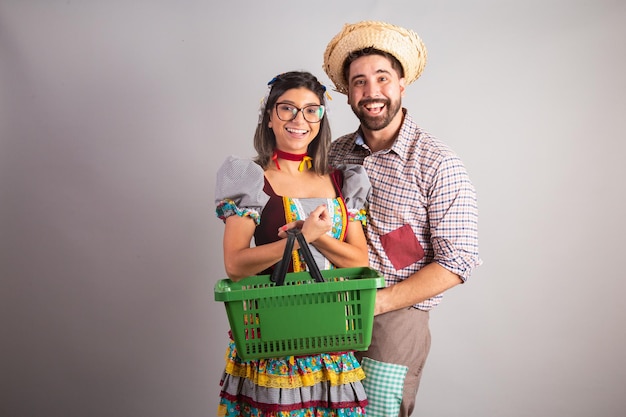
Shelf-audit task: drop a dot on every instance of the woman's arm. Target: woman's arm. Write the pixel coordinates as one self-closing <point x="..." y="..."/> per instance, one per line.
<point x="348" y="254"/>
<point x="241" y="260"/>
<point x="351" y="253"/>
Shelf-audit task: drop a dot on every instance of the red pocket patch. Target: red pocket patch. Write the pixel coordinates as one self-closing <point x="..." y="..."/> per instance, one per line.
<point x="402" y="247"/>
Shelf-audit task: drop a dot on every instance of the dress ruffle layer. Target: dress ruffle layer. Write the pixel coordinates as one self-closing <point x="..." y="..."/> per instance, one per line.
<point x="229" y="409"/>
<point x="322" y="395"/>
<point x="323" y="385"/>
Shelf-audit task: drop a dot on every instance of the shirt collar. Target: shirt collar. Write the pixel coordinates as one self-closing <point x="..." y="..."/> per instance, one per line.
<point x="400" y="145"/>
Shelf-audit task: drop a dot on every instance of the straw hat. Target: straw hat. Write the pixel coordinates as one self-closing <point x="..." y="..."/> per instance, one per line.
<point x="402" y="43"/>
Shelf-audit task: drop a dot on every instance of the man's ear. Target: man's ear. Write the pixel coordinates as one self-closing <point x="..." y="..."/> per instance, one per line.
<point x="402" y="86"/>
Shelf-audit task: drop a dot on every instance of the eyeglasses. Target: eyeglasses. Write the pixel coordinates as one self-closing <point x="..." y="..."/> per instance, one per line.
<point x="312" y="113"/>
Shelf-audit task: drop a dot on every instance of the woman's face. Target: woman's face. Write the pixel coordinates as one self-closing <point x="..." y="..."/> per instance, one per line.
<point x="295" y="135"/>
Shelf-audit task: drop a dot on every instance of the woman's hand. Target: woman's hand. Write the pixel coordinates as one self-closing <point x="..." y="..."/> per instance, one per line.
<point x="317" y="224"/>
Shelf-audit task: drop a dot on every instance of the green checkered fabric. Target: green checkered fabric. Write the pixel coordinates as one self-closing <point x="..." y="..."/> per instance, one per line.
<point x="383" y="385"/>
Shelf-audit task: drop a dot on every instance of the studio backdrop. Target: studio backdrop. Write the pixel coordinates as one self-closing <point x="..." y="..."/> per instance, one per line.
<point x="115" y="115"/>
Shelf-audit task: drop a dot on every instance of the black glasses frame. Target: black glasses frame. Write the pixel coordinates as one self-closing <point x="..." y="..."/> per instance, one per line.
<point x="300" y="110"/>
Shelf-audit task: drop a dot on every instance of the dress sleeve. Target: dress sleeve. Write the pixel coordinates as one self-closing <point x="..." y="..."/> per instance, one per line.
<point x="356" y="191"/>
<point x="239" y="189"/>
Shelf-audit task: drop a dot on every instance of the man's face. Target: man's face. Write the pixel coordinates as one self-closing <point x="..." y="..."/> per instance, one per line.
<point x="374" y="91"/>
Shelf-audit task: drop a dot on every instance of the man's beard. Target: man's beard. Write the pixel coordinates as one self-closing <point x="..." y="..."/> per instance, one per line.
<point x="380" y="121"/>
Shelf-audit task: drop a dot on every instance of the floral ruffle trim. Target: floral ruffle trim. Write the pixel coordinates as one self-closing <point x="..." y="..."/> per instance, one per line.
<point x="227" y="208"/>
<point x="303" y="379"/>
<point x="358" y="215"/>
<point x="337" y="368"/>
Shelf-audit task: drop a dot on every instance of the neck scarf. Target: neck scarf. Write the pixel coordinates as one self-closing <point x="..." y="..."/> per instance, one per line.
<point x="302" y="157"/>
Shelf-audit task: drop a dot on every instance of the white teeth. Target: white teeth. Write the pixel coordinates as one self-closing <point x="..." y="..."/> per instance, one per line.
<point x="374" y="106"/>
<point x="296" y="131"/>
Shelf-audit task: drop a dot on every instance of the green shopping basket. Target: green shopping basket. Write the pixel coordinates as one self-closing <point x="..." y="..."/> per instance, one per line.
<point x="301" y="313"/>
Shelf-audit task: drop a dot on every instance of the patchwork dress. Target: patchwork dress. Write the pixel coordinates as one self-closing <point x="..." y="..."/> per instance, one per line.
<point x="321" y="385"/>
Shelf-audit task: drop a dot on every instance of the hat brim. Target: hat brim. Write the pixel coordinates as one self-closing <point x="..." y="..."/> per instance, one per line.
<point x="404" y="44"/>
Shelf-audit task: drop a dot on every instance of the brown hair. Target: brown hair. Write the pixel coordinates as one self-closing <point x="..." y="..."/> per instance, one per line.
<point x="264" y="139"/>
<point x="352" y="56"/>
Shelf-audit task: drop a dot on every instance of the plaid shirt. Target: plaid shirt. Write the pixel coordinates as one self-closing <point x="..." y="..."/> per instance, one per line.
<point x="422" y="206"/>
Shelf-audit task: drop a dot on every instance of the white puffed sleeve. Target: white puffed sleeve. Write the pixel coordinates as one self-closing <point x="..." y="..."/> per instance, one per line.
<point x="356" y="191"/>
<point x="239" y="189"/>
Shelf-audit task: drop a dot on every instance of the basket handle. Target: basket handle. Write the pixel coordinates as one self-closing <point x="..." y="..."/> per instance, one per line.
<point x="280" y="270"/>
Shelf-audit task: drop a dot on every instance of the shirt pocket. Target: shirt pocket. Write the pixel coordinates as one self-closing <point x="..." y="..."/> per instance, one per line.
<point x="402" y="247"/>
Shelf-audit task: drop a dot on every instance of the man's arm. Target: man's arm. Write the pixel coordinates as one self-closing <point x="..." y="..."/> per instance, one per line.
<point x="431" y="280"/>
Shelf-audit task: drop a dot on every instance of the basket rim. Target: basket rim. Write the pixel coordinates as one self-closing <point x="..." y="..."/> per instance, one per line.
<point x="228" y="290"/>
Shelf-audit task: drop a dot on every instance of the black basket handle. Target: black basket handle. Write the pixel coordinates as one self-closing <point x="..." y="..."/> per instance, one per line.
<point x="280" y="270"/>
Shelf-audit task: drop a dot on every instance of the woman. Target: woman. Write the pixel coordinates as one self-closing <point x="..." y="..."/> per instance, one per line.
<point x="288" y="185"/>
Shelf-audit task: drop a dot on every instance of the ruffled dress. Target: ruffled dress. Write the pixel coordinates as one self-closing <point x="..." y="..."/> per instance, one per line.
<point x="321" y="385"/>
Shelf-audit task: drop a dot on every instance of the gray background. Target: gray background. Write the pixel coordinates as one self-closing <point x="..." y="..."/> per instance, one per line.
<point x="114" y="116"/>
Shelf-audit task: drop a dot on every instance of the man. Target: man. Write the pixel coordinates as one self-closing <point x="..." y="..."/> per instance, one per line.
<point x="422" y="225"/>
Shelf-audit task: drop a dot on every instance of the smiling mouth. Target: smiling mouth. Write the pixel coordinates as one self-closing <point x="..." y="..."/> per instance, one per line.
<point x="373" y="107"/>
<point x="296" y="131"/>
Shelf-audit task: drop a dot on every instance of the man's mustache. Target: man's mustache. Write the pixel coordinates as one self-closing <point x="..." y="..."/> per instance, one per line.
<point x="367" y="101"/>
